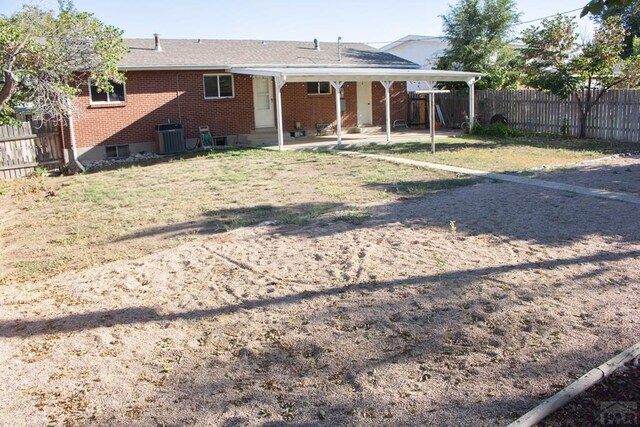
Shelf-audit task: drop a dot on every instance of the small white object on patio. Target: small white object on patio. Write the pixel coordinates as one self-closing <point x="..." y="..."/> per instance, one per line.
<point x="338" y="75"/>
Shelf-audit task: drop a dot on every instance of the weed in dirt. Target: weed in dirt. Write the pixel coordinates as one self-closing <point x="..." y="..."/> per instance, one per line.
<point x="242" y="217"/>
<point x="441" y="264"/>
<point x="40" y="171"/>
<point x="302" y="218"/>
<point x="453" y="228"/>
<point x="36" y="267"/>
<point x="418" y="188"/>
<point x="353" y="216"/>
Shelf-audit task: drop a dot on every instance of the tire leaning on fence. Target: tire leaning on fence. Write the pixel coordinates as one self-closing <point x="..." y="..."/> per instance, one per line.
<point x="498" y="119"/>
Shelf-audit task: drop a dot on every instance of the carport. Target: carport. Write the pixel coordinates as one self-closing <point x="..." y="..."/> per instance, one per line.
<point x="337" y="76"/>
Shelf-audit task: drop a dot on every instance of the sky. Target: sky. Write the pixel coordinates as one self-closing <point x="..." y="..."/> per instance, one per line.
<point x="375" y="22"/>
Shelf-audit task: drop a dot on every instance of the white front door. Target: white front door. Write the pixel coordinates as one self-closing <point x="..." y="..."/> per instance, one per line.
<point x="263" y="102"/>
<point x="364" y="103"/>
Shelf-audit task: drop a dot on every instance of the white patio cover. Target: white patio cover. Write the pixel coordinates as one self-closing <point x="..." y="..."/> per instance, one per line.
<point x="338" y="75"/>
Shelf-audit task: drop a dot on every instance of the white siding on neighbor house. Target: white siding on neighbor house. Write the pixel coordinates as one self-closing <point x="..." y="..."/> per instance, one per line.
<point x="423" y="52"/>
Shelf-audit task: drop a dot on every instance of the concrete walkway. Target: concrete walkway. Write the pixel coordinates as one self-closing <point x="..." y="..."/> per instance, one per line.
<point x="586" y="191"/>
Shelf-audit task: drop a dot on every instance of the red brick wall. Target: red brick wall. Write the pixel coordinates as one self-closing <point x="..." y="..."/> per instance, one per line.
<point x="298" y="106"/>
<point x="151" y="98"/>
<point x="399" y="102"/>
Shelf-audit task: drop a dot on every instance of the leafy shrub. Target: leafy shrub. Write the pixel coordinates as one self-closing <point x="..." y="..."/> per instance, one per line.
<point x="498" y="130"/>
<point x="40" y="171"/>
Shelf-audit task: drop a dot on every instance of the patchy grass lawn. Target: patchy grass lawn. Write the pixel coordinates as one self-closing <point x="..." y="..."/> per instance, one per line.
<point x="54" y="224"/>
<point x="501" y="155"/>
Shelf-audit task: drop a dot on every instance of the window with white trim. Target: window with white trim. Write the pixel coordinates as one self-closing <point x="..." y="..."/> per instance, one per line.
<point x="218" y="86"/>
<point x="115" y="96"/>
<point x="318" y="88"/>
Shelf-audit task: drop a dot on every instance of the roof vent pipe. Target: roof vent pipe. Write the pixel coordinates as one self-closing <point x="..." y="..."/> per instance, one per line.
<point x="316" y="44"/>
<point x="339" y="51"/>
<point x="158" y="48"/>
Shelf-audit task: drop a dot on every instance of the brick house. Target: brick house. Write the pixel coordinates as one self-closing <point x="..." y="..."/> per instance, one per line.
<point x="249" y="91"/>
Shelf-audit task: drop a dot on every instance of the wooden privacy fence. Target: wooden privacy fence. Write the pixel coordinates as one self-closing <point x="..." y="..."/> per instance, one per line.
<point x="616" y="117"/>
<point x="30" y="145"/>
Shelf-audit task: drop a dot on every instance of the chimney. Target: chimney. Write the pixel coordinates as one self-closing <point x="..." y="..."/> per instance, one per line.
<point x="339" y="50"/>
<point x="316" y="44"/>
<point x="157" y="39"/>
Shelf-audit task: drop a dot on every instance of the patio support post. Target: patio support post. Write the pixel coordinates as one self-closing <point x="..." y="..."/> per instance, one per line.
<point x="432" y="121"/>
<point x="336" y="87"/>
<point x="472" y="103"/>
<point x="280" y="82"/>
<point x="387" y="107"/>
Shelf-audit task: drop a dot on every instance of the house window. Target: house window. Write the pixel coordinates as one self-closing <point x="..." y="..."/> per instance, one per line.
<point x="218" y="86"/>
<point x="117" y="95"/>
<point x="318" y="88"/>
<point x="114" y="151"/>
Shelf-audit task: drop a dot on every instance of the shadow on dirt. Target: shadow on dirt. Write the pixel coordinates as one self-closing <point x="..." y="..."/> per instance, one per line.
<point x="512" y="211"/>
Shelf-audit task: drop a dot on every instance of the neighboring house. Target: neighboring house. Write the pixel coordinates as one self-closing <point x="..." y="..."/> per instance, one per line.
<point x="422" y="50"/>
<point x="206" y="83"/>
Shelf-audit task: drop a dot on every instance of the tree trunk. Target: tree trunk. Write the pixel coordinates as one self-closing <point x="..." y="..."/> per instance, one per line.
<point x="583" y="124"/>
<point x="585" y="108"/>
<point x="9" y="87"/>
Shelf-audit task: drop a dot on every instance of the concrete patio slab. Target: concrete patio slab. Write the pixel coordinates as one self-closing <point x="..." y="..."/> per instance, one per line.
<point x="328" y="142"/>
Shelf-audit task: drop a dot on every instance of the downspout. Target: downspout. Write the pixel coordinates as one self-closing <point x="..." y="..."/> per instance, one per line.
<point x="178" y="97"/>
<point x="72" y="134"/>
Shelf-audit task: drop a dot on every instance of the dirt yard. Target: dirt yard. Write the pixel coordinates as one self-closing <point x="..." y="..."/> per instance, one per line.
<point x="52" y="225"/>
<point x="460" y="307"/>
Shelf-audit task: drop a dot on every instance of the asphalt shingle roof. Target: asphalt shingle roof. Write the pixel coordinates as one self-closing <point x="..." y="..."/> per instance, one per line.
<point x="180" y="53"/>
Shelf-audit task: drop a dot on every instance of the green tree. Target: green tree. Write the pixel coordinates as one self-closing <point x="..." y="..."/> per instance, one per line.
<point x="478" y="33"/>
<point x="596" y="7"/>
<point x="630" y="15"/>
<point x="45" y="58"/>
<point x="555" y="63"/>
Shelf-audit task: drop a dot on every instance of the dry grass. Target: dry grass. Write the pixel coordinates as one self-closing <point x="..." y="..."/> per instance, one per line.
<point x="58" y="224"/>
<point x="504" y="154"/>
